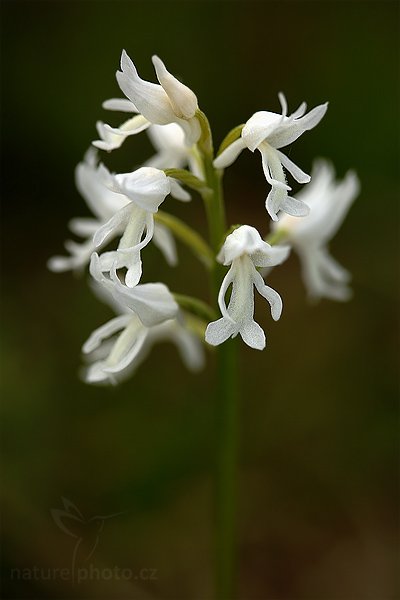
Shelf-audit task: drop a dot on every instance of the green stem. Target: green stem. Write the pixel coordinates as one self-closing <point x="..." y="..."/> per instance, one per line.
<point x="227" y="394"/>
<point x="214" y="203"/>
<point x="227" y="441"/>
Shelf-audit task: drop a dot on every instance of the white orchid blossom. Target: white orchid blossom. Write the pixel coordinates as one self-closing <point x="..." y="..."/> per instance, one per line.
<point x="267" y="132"/>
<point x="104" y="204"/>
<point x="147" y="314"/>
<point x="244" y="250"/>
<point x="152" y="302"/>
<point x="170" y="102"/>
<point x="329" y="202"/>
<point x="114" y="359"/>
<point x="146" y="188"/>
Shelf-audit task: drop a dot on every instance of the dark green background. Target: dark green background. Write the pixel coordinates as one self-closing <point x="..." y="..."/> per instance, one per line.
<point x="318" y="475"/>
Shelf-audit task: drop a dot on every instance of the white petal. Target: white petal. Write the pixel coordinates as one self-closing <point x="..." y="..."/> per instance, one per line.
<point x="299" y="112"/>
<point x="269" y="294"/>
<point x="191" y="128"/>
<point x="91" y="182"/>
<point x="219" y="331"/>
<point x="133" y="126"/>
<point x="113" y="137"/>
<point x="189" y="346"/>
<point x="311" y="119"/>
<point x="253" y="335"/>
<point x="315" y="280"/>
<point x="332" y="268"/>
<point x="97" y="274"/>
<point x="152" y="302"/>
<point x="293" y="169"/>
<point x="113" y="226"/>
<point x="60" y="264"/>
<point x="108" y="140"/>
<point x="230" y="154"/>
<point x="130" y="260"/>
<point x="271" y="257"/>
<point x="223" y="289"/>
<point x="340" y="199"/>
<point x="80" y="256"/>
<point x="105" y="331"/>
<point x="283" y="101"/>
<point x="164" y="240"/>
<point x="134" y="269"/>
<point x="274" y="202"/>
<point x="131" y="244"/>
<point x="84" y="226"/>
<point x="183" y="100"/>
<point x="164" y="160"/>
<point x="126" y="348"/>
<point x="96" y="374"/>
<point x="150" y="99"/>
<point x="294" y="207"/>
<point x="178" y="192"/>
<point x="120" y="104"/>
<point x="167" y="137"/>
<point x="289" y="132"/>
<point x="272" y="167"/>
<point x="139" y="221"/>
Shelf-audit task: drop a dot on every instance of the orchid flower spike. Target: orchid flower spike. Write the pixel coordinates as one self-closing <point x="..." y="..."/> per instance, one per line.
<point x="146" y="188"/>
<point x="104" y="204"/>
<point x="244" y="250"/>
<point x="169" y="102"/>
<point x="267" y="132"/>
<point x="329" y="201"/>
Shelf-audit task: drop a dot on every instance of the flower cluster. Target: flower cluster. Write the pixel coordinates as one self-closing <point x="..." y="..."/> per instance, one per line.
<point x="126" y="211"/>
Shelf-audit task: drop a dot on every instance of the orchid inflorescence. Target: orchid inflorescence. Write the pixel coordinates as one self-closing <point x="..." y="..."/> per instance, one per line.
<point x="126" y="207"/>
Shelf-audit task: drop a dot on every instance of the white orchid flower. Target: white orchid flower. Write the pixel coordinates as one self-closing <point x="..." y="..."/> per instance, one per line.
<point x="329" y="202"/>
<point x="169" y="102"/>
<point x="146" y="188"/>
<point x="116" y="360"/>
<point x="152" y="302"/>
<point x="104" y="204"/>
<point x="267" y="132"/>
<point x="244" y="250"/>
<point x="118" y="347"/>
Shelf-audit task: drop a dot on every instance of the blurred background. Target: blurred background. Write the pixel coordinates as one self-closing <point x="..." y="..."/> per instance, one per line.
<point x="318" y="469"/>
